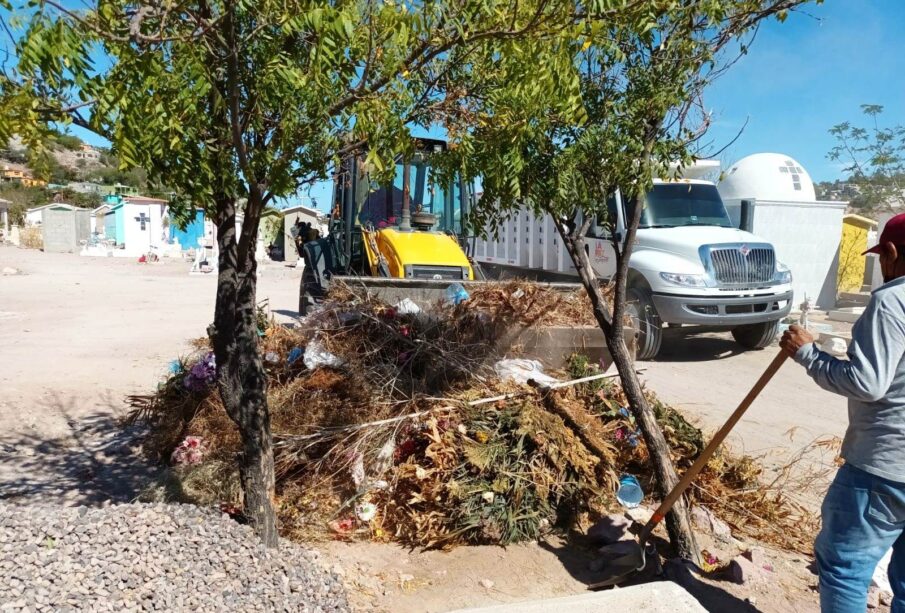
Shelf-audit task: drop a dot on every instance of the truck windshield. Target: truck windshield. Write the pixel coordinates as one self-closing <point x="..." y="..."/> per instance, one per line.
<point x="670" y="205"/>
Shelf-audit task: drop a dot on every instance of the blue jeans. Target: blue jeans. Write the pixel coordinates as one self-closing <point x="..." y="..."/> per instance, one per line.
<point x="863" y="516"/>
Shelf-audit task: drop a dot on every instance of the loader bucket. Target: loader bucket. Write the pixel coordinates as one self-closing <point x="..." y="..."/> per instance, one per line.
<point x="423" y="292"/>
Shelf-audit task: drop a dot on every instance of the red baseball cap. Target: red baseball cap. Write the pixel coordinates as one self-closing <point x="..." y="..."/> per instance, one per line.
<point x="893" y="232"/>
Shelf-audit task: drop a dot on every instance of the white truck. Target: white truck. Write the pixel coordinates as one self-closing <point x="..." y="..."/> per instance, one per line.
<point x="689" y="266"/>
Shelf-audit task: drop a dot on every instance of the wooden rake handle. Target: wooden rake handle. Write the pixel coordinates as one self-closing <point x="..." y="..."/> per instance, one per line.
<point x="711" y="448"/>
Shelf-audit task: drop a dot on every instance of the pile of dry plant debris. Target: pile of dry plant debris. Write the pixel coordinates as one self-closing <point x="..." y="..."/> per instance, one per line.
<point x="390" y="423"/>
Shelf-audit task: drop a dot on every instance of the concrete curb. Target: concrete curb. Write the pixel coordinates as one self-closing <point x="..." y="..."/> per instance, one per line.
<point x="657" y="597"/>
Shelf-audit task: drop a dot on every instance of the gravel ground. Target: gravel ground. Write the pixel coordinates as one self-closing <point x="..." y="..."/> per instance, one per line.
<point x="152" y="557"/>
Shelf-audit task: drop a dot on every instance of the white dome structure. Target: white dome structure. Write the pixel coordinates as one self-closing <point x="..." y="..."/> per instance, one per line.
<point x="770" y="177"/>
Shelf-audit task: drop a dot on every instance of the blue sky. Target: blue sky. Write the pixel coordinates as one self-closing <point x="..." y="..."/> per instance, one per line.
<point x="799" y="79"/>
<point x="803" y="76"/>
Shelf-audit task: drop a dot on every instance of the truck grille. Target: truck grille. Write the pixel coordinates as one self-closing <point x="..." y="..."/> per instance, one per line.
<point x="743" y="265"/>
<point x="446" y="273"/>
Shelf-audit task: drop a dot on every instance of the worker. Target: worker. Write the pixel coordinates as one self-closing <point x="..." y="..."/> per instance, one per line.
<point x="864" y="510"/>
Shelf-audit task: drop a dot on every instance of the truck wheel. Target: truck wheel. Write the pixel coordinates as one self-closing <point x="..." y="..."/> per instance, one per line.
<point x="646" y="321"/>
<point x="756" y="336"/>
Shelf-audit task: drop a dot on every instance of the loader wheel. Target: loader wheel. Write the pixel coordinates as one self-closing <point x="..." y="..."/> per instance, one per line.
<point x="646" y="321"/>
<point x="756" y="336"/>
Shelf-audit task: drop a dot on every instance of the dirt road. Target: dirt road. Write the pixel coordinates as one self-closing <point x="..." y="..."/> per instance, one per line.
<point x="79" y="334"/>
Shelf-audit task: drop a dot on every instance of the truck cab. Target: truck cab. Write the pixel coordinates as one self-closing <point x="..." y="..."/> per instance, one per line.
<point x="690" y="266"/>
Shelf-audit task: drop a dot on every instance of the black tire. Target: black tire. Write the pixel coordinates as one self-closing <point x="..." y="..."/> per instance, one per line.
<point x="640" y="308"/>
<point x="756" y="336"/>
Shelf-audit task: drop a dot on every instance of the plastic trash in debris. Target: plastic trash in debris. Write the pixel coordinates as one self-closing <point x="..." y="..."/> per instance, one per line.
<point x="316" y="355"/>
<point x="190" y="451"/>
<point x="385" y="456"/>
<point x="522" y="370"/>
<point x="175" y="367"/>
<point x="488" y="497"/>
<point x="294" y="354"/>
<point x="407" y="306"/>
<point x="202" y="375"/>
<point x="366" y="511"/>
<point x="518" y="293"/>
<point x="272" y="357"/>
<point x="357" y="470"/>
<point x="624" y="434"/>
<point x="629" y="493"/>
<point x="343" y="526"/>
<point x="456" y="294"/>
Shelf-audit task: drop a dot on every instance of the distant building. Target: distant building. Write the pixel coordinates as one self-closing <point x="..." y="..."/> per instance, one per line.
<point x="124" y="190"/>
<point x="35" y="216"/>
<point x="4" y="218"/>
<point x="858" y="233"/>
<point x="89" y="187"/>
<point x="136" y="223"/>
<point x="303" y="214"/>
<point x="83" y="157"/>
<point x="98" y="217"/>
<point x="17" y="173"/>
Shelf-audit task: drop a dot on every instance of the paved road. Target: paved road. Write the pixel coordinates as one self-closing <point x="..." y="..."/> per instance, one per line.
<point x="707" y="375"/>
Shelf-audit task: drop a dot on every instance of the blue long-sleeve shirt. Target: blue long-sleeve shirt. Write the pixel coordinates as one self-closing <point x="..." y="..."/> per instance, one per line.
<point x="873" y="380"/>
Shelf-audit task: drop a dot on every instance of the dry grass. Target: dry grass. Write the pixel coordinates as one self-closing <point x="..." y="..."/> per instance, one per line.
<point x="527" y="304"/>
<point x="393" y="427"/>
<point x="31" y="237"/>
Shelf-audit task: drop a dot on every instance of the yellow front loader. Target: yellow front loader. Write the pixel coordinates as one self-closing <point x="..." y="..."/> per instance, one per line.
<point x="400" y="239"/>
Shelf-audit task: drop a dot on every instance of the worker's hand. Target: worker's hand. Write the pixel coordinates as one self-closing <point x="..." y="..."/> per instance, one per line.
<point x="794" y="339"/>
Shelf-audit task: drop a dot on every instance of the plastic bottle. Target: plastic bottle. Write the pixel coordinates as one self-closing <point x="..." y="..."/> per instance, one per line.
<point x="629" y="493"/>
<point x="456" y="294"/>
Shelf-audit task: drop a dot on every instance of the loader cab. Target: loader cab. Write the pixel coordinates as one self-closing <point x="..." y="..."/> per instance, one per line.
<point x="362" y="201"/>
<point x="410" y="228"/>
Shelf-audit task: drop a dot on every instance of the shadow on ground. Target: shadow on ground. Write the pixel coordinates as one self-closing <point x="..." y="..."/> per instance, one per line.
<point x="96" y="462"/>
<point x="697" y="345"/>
<point x="576" y="555"/>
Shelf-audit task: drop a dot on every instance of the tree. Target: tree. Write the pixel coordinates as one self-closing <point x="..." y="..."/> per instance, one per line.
<point x="625" y="108"/>
<point x="232" y="102"/>
<point x="67" y="141"/>
<point x="22" y="199"/>
<point x="874" y="158"/>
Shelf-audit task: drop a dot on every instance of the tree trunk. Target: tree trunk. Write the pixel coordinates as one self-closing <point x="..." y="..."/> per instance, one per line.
<point x="677" y="521"/>
<point x="241" y="378"/>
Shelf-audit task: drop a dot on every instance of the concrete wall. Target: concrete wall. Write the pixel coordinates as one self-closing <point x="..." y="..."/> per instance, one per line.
<point x="877" y="274"/>
<point x="63" y="230"/>
<point x="194" y="230"/>
<point x="806" y="237"/>
<point x="851" y="263"/>
<point x="290" y="254"/>
<point x="138" y="241"/>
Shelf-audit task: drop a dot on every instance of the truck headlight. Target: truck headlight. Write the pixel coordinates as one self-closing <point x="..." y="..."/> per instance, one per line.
<point x="783" y="274"/>
<point x="683" y="279"/>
